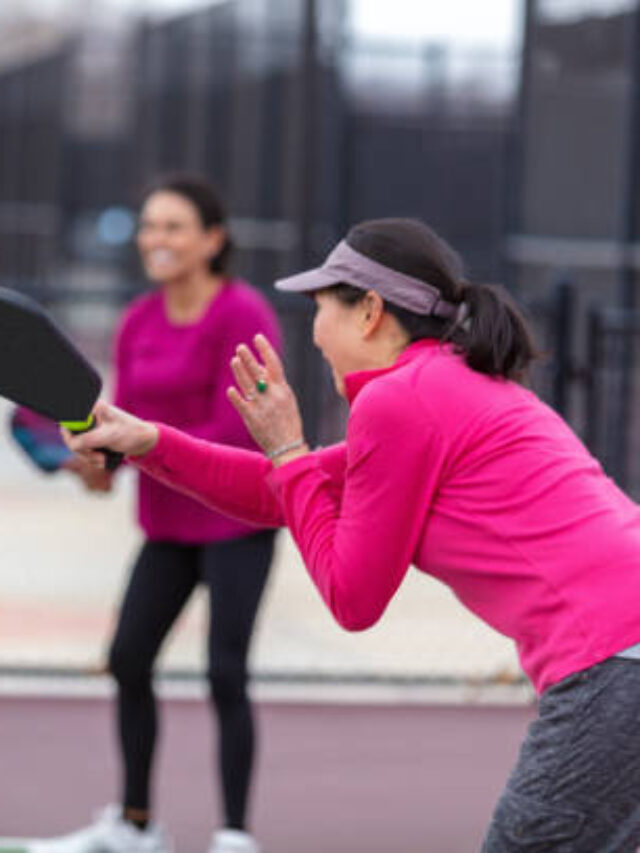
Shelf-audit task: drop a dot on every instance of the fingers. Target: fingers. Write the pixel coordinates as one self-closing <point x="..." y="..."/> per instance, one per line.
<point x="270" y="357"/>
<point x="272" y="366"/>
<point x="243" y="377"/>
<point x="85" y="460"/>
<point x="98" y="480"/>
<point x="252" y="368"/>
<point x="81" y="443"/>
<point x="242" y="405"/>
<point x="86" y="444"/>
<point x="101" y="409"/>
<point x="83" y="456"/>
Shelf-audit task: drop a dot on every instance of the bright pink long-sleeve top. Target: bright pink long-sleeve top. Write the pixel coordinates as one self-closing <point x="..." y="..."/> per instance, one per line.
<point x="473" y="480"/>
<point x="179" y="374"/>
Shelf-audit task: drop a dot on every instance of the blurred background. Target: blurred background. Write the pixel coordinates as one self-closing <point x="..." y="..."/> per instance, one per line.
<point x="511" y="126"/>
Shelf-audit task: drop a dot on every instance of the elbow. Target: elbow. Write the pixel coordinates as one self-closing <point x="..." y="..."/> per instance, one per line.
<point x="355" y="626"/>
<point x="354" y="604"/>
<point x="355" y="619"/>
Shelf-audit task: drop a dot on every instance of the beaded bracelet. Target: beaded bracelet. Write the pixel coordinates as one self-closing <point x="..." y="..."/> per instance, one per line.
<point x="285" y="448"/>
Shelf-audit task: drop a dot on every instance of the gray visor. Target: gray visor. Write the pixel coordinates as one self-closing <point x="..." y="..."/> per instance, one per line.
<point x="346" y="266"/>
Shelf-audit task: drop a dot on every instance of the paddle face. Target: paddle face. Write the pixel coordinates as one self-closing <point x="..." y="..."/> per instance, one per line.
<point x="39" y="438"/>
<point x="39" y="366"/>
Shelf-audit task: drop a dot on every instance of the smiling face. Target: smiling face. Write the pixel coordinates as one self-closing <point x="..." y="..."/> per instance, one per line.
<point x="172" y="241"/>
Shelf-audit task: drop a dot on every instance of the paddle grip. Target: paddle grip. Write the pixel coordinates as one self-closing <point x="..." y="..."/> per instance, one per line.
<point x="113" y="459"/>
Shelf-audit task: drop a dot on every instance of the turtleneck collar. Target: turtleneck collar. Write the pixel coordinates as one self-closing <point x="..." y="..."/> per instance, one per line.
<point x="354" y="382"/>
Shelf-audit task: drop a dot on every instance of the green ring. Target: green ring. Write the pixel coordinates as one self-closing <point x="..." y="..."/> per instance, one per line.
<point x="261" y="386"/>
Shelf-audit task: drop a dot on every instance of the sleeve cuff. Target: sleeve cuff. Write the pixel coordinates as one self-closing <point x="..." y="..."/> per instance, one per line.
<point x="279" y="477"/>
<point x="155" y="456"/>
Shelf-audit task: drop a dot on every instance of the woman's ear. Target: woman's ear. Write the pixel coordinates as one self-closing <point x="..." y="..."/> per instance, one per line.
<point x="372" y="312"/>
<point x="216" y="238"/>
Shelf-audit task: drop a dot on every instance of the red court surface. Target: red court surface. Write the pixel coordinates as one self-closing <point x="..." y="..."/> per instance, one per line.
<point x="338" y="778"/>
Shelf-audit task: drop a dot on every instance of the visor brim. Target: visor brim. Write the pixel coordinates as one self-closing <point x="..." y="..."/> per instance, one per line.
<point x="307" y="282"/>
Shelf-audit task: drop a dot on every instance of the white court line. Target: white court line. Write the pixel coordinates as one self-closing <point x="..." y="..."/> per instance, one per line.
<point x="283" y="691"/>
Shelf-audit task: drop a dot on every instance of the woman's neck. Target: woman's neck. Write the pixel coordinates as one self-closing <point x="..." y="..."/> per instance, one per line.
<point x="187" y="300"/>
<point x="386" y="347"/>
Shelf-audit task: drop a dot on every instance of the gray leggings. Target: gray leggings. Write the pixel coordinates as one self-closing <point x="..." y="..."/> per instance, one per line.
<point x="576" y="784"/>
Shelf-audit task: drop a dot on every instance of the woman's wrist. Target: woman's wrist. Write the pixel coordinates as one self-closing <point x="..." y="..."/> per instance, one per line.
<point x="147" y="439"/>
<point x="281" y="449"/>
<point x="287" y="452"/>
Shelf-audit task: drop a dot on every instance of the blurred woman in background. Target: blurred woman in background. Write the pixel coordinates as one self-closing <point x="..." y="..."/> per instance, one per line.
<point x="173" y="350"/>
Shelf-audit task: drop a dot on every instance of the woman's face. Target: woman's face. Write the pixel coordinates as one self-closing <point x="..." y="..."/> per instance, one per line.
<point x="172" y="242"/>
<point x="337" y="332"/>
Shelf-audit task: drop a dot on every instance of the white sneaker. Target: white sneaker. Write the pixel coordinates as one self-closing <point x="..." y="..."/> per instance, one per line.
<point x="109" y="834"/>
<point x="233" y="841"/>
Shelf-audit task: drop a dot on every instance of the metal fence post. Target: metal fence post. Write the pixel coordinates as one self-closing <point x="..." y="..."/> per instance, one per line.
<point x="308" y="116"/>
<point x="564" y="300"/>
<point x="592" y="433"/>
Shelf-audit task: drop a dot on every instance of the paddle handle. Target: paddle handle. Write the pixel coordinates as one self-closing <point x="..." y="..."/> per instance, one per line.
<point x="113" y="459"/>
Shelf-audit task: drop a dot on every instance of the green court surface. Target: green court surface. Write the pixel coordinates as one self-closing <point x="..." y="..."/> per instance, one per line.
<point x="8" y="845"/>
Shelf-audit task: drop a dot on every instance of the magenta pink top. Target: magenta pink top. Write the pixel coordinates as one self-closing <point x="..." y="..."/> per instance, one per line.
<point x="179" y="374"/>
<point x="473" y="480"/>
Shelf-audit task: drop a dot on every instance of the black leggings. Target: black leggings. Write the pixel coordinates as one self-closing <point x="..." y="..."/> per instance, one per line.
<point x="162" y="580"/>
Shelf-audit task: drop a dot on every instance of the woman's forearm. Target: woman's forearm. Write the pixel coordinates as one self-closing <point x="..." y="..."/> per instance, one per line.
<point x="230" y="480"/>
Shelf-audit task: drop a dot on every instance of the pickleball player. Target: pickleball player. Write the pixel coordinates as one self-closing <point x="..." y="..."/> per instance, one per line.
<point x="173" y="350"/>
<point x="452" y="465"/>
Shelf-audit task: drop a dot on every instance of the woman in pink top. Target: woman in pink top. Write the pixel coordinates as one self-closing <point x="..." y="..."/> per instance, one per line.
<point x="452" y="465"/>
<point x="173" y="352"/>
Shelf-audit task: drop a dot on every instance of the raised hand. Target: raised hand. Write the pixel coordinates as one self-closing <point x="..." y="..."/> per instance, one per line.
<point x="266" y="402"/>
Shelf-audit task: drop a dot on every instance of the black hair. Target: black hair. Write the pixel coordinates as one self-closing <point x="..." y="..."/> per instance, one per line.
<point x="203" y="196"/>
<point x="494" y="336"/>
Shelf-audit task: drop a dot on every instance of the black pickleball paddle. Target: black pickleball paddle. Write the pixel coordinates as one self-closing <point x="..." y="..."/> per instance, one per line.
<point x="42" y="369"/>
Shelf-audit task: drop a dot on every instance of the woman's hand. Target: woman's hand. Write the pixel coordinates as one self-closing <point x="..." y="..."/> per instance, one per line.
<point x="115" y="429"/>
<point x="94" y="479"/>
<point x="266" y="402"/>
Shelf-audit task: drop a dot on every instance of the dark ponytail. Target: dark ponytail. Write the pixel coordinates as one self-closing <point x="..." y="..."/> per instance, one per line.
<point x="494" y="337"/>
<point x="491" y="333"/>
